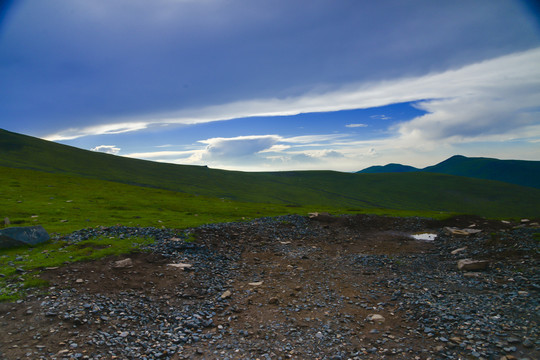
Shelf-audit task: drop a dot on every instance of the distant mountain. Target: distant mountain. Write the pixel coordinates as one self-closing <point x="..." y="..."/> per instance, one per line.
<point x="409" y="191"/>
<point x="519" y="172"/>
<point x="390" y="168"/>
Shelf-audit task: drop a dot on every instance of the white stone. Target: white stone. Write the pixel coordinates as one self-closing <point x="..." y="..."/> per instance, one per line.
<point x="181" y="265"/>
<point x="470" y="264"/>
<point x="375" y="317"/>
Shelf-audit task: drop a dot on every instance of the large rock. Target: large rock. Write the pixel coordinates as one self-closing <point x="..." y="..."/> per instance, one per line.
<point x="19" y="236"/>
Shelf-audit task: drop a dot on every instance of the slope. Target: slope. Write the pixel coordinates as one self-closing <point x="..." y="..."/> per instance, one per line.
<point x="407" y="191"/>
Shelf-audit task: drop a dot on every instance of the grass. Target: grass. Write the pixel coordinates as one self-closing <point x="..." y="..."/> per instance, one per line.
<point x="62" y="204"/>
<point x="402" y="192"/>
<point x="13" y="283"/>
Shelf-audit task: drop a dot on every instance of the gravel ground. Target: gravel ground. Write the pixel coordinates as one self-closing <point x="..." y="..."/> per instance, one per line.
<point x="351" y="287"/>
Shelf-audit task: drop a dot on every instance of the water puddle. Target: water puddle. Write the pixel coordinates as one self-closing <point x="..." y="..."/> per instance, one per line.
<point x="424" y="236"/>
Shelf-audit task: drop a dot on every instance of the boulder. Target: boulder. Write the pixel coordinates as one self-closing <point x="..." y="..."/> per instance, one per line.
<point x="18" y="236"/>
<point x="472" y="265"/>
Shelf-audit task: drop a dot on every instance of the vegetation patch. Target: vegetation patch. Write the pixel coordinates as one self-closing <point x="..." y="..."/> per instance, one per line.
<point x="19" y="267"/>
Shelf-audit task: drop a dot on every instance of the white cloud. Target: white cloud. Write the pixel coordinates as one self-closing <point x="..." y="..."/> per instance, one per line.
<point x="238" y="146"/>
<point x="493" y="96"/>
<point x="276" y="148"/>
<point x="109" y="149"/>
<point x="380" y="117"/>
<point x="106" y="129"/>
<point x="160" y="154"/>
<point x="355" y="125"/>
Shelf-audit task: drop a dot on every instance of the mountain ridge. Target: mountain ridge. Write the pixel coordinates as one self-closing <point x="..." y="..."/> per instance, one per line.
<point x="518" y="172"/>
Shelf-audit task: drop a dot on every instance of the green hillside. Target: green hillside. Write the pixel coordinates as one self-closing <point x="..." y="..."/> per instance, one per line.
<point x="63" y="203"/>
<point x="413" y="191"/>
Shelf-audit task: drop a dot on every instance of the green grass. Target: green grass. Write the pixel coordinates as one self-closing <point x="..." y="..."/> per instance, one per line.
<point x="62" y="204"/>
<point x="53" y="254"/>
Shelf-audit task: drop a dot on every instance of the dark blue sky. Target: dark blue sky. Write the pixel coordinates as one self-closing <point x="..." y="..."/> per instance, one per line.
<point x="374" y="81"/>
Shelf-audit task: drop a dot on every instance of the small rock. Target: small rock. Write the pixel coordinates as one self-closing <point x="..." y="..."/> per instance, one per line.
<point x="454" y="252"/>
<point x="528" y="343"/>
<point x="227" y="294"/>
<point x="456" y="231"/>
<point x="375" y="317"/>
<point x="182" y="266"/>
<point x="79" y="281"/>
<point x="257" y="283"/>
<point x="513" y="340"/>
<point x="273" y="300"/>
<point x="470" y="264"/>
<point x="121" y="264"/>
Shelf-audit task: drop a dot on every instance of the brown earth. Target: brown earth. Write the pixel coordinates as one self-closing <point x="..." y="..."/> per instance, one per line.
<point x="289" y="295"/>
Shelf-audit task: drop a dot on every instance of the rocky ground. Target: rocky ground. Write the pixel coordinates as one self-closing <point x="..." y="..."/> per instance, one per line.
<point x="353" y="287"/>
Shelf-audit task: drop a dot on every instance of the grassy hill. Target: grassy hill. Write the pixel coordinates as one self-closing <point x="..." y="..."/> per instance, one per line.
<point x="519" y="172"/>
<point x="63" y="203"/>
<point x="389" y="168"/>
<point x="413" y="191"/>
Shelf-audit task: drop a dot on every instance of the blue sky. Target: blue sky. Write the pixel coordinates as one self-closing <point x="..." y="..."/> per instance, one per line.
<point x="275" y="85"/>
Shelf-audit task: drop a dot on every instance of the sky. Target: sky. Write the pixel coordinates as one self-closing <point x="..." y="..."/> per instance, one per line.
<point x="275" y="85"/>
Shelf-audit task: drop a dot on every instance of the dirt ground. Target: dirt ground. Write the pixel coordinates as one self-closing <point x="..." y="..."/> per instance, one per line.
<point x="292" y="294"/>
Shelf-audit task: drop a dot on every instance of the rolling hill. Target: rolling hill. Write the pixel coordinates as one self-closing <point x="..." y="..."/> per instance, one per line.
<point x="519" y="172"/>
<point x="415" y="191"/>
<point x="389" y="168"/>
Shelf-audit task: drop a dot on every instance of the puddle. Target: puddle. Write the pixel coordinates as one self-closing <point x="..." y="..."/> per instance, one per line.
<point x="424" y="236"/>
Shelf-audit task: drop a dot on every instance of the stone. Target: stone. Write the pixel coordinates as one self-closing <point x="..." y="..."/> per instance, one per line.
<point x="456" y="231"/>
<point x="227" y="294"/>
<point x="6" y="221"/>
<point x="182" y="266"/>
<point x="317" y="214"/>
<point x="273" y="300"/>
<point x="121" y="264"/>
<point x="528" y="343"/>
<point x="257" y="283"/>
<point x="19" y="236"/>
<point x="472" y="265"/>
<point x="375" y="317"/>
<point x="454" y="252"/>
